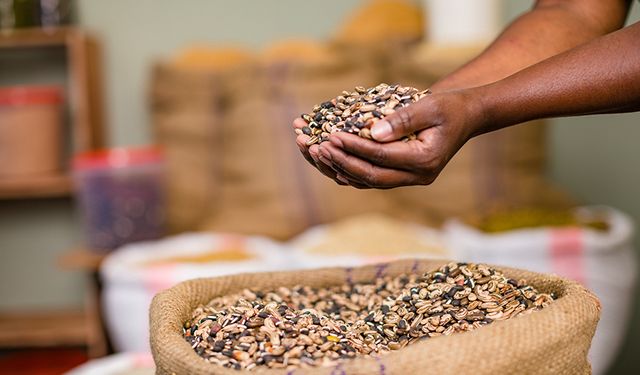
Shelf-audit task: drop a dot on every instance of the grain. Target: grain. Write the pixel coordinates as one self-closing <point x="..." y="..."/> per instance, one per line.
<point x="304" y="326"/>
<point x="356" y="112"/>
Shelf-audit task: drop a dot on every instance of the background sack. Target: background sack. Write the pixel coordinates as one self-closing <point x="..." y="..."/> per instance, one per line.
<point x="506" y="168"/>
<point x="133" y="274"/>
<point x="266" y="186"/>
<point x="602" y="261"/>
<point x="554" y="340"/>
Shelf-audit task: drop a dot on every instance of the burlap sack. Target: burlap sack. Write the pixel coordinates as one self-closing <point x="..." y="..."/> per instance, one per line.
<point x="554" y="340"/>
<point x="188" y="106"/>
<point x="266" y="187"/>
<point x="506" y="168"/>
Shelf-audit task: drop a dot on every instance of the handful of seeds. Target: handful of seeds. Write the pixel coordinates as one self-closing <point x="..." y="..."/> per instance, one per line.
<point x="304" y="326"/>
<point x="355" y="112"/>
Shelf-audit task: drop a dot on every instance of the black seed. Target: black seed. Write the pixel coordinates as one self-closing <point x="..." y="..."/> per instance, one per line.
<point x="327" y="105"/>
<point x="306" y="130"/>
<point x="385" y="309"/>
<point x="369" y="318"/>
<point x="263" y="314"/>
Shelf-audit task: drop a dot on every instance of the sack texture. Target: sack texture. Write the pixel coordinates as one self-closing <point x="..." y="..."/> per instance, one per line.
<point x="554" y="340"/>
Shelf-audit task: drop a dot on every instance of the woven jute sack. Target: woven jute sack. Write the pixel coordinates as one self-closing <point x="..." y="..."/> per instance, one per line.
<point x="266" y="187"/>
<point x="506" y="168"/>
<point x="554" y="340"/>
<point x="188" y="109"/>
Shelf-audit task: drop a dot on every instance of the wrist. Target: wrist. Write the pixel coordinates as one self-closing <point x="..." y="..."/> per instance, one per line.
<point x="477" y="111"/>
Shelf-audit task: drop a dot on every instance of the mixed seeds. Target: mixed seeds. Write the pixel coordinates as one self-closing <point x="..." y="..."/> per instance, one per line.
<point x="355" y="112"/>
<point x="304" y="326"/>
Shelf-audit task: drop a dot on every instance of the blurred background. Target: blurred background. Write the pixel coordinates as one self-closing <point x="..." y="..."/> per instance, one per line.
<point x="169" y="122"/>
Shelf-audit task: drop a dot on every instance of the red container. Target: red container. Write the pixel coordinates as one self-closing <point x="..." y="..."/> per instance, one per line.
<point x="30" y="130"/>
<point x="121" y="194"/>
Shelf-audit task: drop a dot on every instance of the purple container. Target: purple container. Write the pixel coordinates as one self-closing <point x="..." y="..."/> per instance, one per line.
<point x="121" y="193"/>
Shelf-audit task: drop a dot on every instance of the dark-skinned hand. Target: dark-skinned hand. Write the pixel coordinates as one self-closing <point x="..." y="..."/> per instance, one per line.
<point x="442" y="123"/>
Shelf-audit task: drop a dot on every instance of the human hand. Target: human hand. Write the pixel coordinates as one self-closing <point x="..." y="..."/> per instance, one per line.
<point x="312" y="154"/>
<point x="442" y="123"/>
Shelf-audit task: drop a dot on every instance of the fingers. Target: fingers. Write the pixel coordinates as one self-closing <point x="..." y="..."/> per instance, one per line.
<point x="311" y="155"/>
<point x="299" y="123"/>
<point x="397" y="155"/>
<point x="364" y="173"/>
<point x="324" y="165"/>
<point x="404" y="121"/>
<point x="301" y="142"/>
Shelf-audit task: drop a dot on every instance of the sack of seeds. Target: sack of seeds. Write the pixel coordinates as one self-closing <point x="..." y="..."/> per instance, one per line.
<point x="188" y="105"/>
<point x="404" y="317"/>
<point x="366" y="239"/>
<point x="592" y="245"/>
<point x="133" y="274"/>
<point x="261" y="172"/>
<point x="502" y="168"/>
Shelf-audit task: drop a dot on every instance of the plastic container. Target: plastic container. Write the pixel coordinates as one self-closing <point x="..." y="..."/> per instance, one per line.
<point x="30" y="130"/>
<point x="121" y="195"/>
<point x="133" y="274"/>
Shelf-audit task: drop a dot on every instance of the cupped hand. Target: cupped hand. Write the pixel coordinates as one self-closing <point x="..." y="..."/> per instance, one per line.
<point x="442" y="124"/>
<point x="313" y="156"/>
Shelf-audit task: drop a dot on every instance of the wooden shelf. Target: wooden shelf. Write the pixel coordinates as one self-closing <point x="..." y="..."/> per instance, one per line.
<point x="45" y="186"/>
<point x="28" y="329"/>
<point x="82" y="259"/>
<point x="84" y="93"/>
<point x="36" y="37"/>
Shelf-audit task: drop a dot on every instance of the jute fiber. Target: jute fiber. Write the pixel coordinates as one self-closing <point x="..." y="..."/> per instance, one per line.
<point x="262" y="174"/>
<point x="498" y="170"/>
<point x="554" y="340"/>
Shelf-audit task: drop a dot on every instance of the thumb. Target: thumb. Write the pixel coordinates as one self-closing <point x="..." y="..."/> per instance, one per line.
<point x="401" y="123"/>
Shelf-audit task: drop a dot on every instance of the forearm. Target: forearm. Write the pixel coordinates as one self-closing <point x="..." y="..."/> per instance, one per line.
<point x="552" y="27"/>
<point x="599" y="77"/>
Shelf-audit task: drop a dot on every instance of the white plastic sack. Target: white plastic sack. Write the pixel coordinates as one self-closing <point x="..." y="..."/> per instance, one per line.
<point x="117" y="364"/>
<point x="130" y="283"/>
<point x="602" y="261"/>
<point x="304" y="258"/>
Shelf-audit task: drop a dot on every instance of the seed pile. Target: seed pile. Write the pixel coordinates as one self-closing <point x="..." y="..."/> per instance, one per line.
<point x="304" y="326"/>
<point x="355" y="112"/>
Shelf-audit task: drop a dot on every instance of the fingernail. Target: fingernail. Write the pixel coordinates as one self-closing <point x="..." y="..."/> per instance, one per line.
<point x="342" y="179"/>
<point x="336" y="141"/>
<point x="324" y="161"/>
<point x="325" y="153"/>
<point x="314" y="154"/>
<point x="381" y="130"/>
